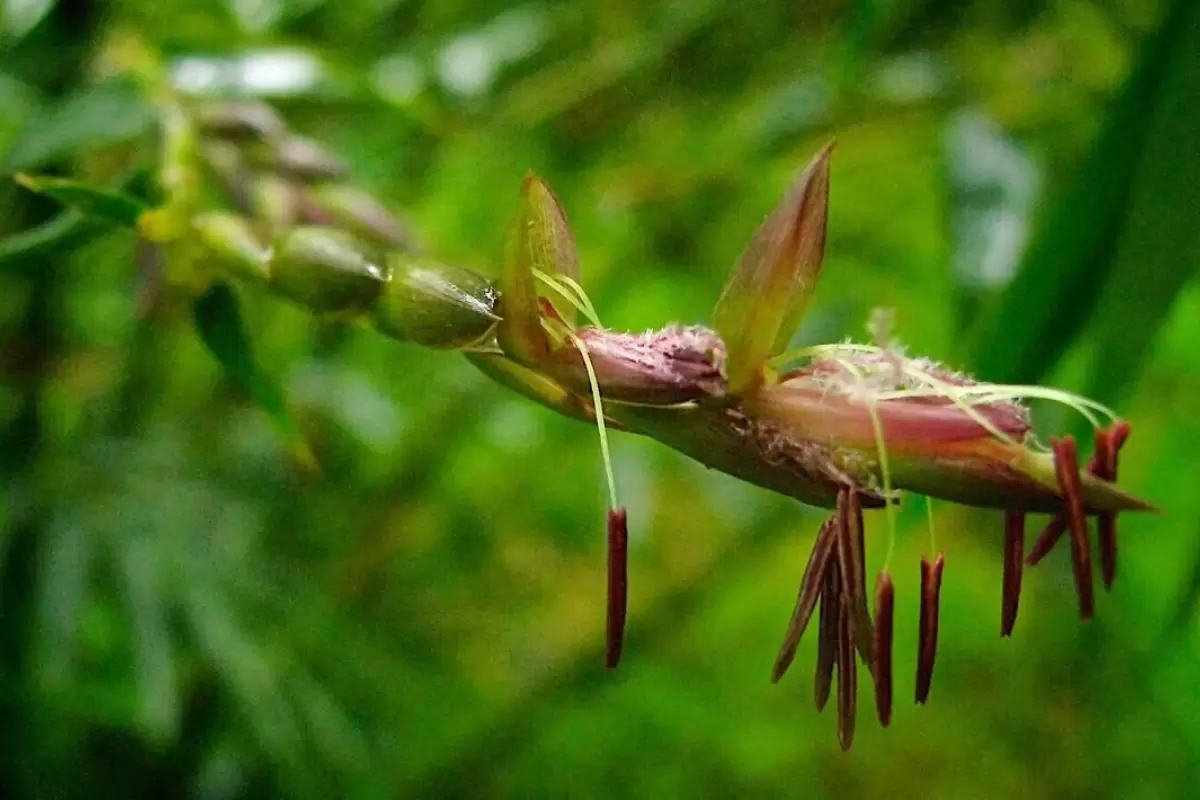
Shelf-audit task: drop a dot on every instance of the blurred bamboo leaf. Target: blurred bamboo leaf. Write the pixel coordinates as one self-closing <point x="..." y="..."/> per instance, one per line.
<point x="98" y="116"/>
<point x="18" y="100"/>
<point x="90" y="200"/>
<point x="245" y="669"/>
<point x="332" y="732"/>
<point x="1073" y="257"/>
<point x="219" y="323"/>
<point x="158" y="703"/>
<point x="68" y="230"/>
<point x="1159" y="248"/>
<point x="1189" y="601"/>
<point x="22" y="16"/>
<point x="67" y="563"/>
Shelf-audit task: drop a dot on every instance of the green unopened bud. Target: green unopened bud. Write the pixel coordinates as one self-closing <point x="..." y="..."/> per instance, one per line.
<point x="299" y="158"/>
<point x="326" y="270"/>
<point x="240" y="120"/>
<point x="356" y="211"/>
<point x="233" y="243"/>
<point x="434" y="304"/>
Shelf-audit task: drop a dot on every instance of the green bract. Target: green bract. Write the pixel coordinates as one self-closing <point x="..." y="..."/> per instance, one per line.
<point x="774" y="279"/>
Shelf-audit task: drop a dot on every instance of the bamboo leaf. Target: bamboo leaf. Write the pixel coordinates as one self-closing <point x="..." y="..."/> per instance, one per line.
<point x="246" y="669"/>
<point x="141" y="568"/>
<point x="1073" y="258"/>
<point x="1159" y="249"/>
<point x="98" y="116"/>
<point x="69" y="556"/>
<point x="219" y="323"/>
<point x="68" y="230"/>
<point x="92" y="201"/>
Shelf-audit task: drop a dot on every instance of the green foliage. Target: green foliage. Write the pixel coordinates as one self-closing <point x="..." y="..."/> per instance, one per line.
<point x="219" y="323"/>
<point x="183" y="612"/>
<point x="91" y="118"/>
<point x="112" y="206"/>
<point x="1104" y="219"/>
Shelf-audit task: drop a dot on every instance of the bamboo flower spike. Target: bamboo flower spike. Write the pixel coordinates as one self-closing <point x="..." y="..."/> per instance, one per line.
<point x="841" y="426"/>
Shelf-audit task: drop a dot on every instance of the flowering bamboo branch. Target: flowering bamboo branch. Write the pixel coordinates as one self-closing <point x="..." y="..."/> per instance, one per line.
<point x="840" y="426"/>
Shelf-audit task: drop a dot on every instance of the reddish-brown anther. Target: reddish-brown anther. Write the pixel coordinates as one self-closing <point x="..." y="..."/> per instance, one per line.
<point x="885" y="607"/>
<point x="1046" y="540"/>
<point x="851" y="562"/>
<point x="1014" y="547"/>
<point x="806" y="600"/>
<point x="847" y="677"/>
<point x="1100" y="465"/>
<point x="1066" y="465"/>
<point x="1103" y="465"/>
<point x="1114" y="438"/>
<point x="829" y="625"/>
<point x="927" y="639"/>
<point x="618" y="586"/>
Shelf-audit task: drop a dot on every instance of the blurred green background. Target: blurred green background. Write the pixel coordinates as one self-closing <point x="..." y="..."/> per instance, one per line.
<point x="184" y="612"/>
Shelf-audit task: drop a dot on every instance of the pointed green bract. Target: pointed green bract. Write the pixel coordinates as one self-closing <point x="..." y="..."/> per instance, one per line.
<point x="552" y="247"/>
<point x="541" y="242"/>
<point x="769" y="290"/>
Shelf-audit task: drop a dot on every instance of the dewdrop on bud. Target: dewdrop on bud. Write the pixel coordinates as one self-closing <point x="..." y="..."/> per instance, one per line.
<point x="434" y="304"/>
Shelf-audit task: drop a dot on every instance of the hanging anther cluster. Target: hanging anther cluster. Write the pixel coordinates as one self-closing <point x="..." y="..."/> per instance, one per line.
<point x="835" y="579"/>
<point x="1103" y="465"/>
<point x="842" y="426"/>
